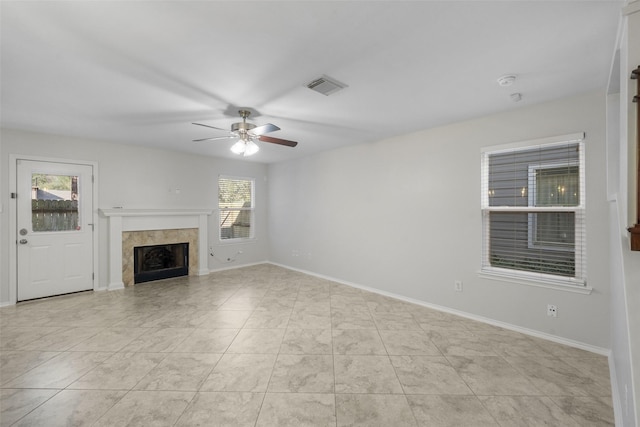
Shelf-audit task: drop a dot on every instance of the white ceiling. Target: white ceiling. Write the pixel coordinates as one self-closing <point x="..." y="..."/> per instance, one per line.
<point x="140" y="72"/>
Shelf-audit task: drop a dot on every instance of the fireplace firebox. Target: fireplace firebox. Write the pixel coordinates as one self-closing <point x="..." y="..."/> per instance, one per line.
<point x="160" y="262"/>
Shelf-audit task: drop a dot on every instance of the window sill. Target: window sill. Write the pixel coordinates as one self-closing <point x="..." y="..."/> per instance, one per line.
<point x="540" y="282"/>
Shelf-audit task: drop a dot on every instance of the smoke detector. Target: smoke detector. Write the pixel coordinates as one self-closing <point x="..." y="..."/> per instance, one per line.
<point x="326" y="85"/>
<point x="506" y="80"/>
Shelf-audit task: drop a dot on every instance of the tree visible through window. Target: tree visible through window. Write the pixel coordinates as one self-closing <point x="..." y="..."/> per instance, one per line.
<point x="533" y="211"/>
<point x="235" y="203"/>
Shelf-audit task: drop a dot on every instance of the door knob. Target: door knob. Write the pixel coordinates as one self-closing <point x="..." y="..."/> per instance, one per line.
<point x="23" y="241"/>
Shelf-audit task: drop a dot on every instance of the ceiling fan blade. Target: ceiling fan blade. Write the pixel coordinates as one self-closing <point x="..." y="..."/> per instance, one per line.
<point x="212" y="127"/>
<point x="260" y="130"/>
<point x="277" y="141"/>
<point x="214" y="138"/>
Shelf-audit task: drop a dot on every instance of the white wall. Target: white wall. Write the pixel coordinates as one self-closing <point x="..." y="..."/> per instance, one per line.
<point x="137" y="177"/>
<point x="403" y="216"/>
<point x="625" y="264"/>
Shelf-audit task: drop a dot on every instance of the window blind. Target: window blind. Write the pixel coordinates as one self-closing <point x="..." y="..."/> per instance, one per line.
<point x="235" y="203"/>
<point x="533" y="211"/>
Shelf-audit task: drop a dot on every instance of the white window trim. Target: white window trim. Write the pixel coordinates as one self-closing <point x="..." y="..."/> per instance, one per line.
<point x="567" y="284"/>
<point x="571" y="284"/>
<point x="251" y="211"/>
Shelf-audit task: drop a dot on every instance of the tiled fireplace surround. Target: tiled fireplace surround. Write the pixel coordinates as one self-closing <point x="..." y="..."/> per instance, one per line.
<point x="132" y="239"/>
<point x="137" y="227"/>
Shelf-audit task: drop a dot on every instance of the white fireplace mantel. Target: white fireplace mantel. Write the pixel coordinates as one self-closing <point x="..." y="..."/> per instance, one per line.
<point x="152" y="219"/>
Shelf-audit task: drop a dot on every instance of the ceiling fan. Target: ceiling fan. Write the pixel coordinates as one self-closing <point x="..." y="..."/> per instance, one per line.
<point x="247" y="134"/>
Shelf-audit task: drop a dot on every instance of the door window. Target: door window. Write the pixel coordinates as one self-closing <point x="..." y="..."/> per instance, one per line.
<point x="54" y="202"/>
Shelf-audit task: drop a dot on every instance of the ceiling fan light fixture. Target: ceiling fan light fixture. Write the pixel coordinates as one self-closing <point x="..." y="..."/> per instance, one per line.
<point x="239" y="147"/>
<point x="246" y="148"/>
<point x="251" y="148"/>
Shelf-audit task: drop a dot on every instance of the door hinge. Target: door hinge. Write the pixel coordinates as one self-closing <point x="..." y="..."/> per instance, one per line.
<point x="93" y="276"/>
<point x="14" y="195"/>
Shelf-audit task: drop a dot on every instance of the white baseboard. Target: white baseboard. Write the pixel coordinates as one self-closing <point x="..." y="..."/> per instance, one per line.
<point x="615" y="391"/>
<point x="504" y="325"/>
<point x="233" y="267"/>
<point x="115" y="286"/>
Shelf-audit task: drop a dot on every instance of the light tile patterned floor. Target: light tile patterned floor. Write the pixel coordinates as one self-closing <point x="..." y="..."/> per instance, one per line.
<point x="266" y="346"/>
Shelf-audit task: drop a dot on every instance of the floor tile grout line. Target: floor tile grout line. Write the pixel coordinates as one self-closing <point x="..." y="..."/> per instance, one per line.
<point x="268" y="382"/>
<point x="332" y="292"/>
<point x="35" y="408"/>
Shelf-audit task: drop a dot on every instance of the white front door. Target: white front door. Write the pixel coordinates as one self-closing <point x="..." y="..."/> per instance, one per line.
<point x="54" y="228"/>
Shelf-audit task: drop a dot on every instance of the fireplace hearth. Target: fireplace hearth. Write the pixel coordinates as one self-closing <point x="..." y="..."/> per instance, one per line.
<point x="158" y="262"/>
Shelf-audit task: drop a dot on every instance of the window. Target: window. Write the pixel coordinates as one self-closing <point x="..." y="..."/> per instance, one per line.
<point x="533" y="210"/>
<point x="54" y="202"/>
<point x="553" y="185"/>
<point x="235" y="203"/>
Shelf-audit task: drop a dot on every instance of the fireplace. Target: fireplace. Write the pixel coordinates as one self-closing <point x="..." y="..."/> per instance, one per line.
<point x="157" y="262"/>
<point x="129" y="228"/>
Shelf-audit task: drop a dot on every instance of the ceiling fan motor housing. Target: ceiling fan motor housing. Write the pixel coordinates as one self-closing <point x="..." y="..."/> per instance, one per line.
<point x="242" y="130"/>
<point x="242" y="127"/>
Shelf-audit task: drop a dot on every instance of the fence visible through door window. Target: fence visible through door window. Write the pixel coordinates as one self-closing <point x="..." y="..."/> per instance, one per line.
<point x="54" y="202"/>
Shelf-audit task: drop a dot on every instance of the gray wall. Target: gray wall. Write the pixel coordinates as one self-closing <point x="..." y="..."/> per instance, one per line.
<point x="625" y="264"/>
<point x="403" y="216"/>
<point x="138" y="177"/>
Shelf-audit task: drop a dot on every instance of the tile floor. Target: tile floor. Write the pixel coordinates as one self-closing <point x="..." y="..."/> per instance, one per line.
<point x="265" y="346"/>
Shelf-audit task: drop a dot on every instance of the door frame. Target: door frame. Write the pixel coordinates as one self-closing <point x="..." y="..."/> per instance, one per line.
<point x="13" y="218"/>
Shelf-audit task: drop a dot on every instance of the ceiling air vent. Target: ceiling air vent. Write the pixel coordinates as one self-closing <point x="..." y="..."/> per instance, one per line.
<point x="326" y="85"/>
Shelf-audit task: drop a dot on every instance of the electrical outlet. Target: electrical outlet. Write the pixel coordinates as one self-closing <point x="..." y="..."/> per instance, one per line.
<point x="552" y="310"/>
<point x="457" y="285"/>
